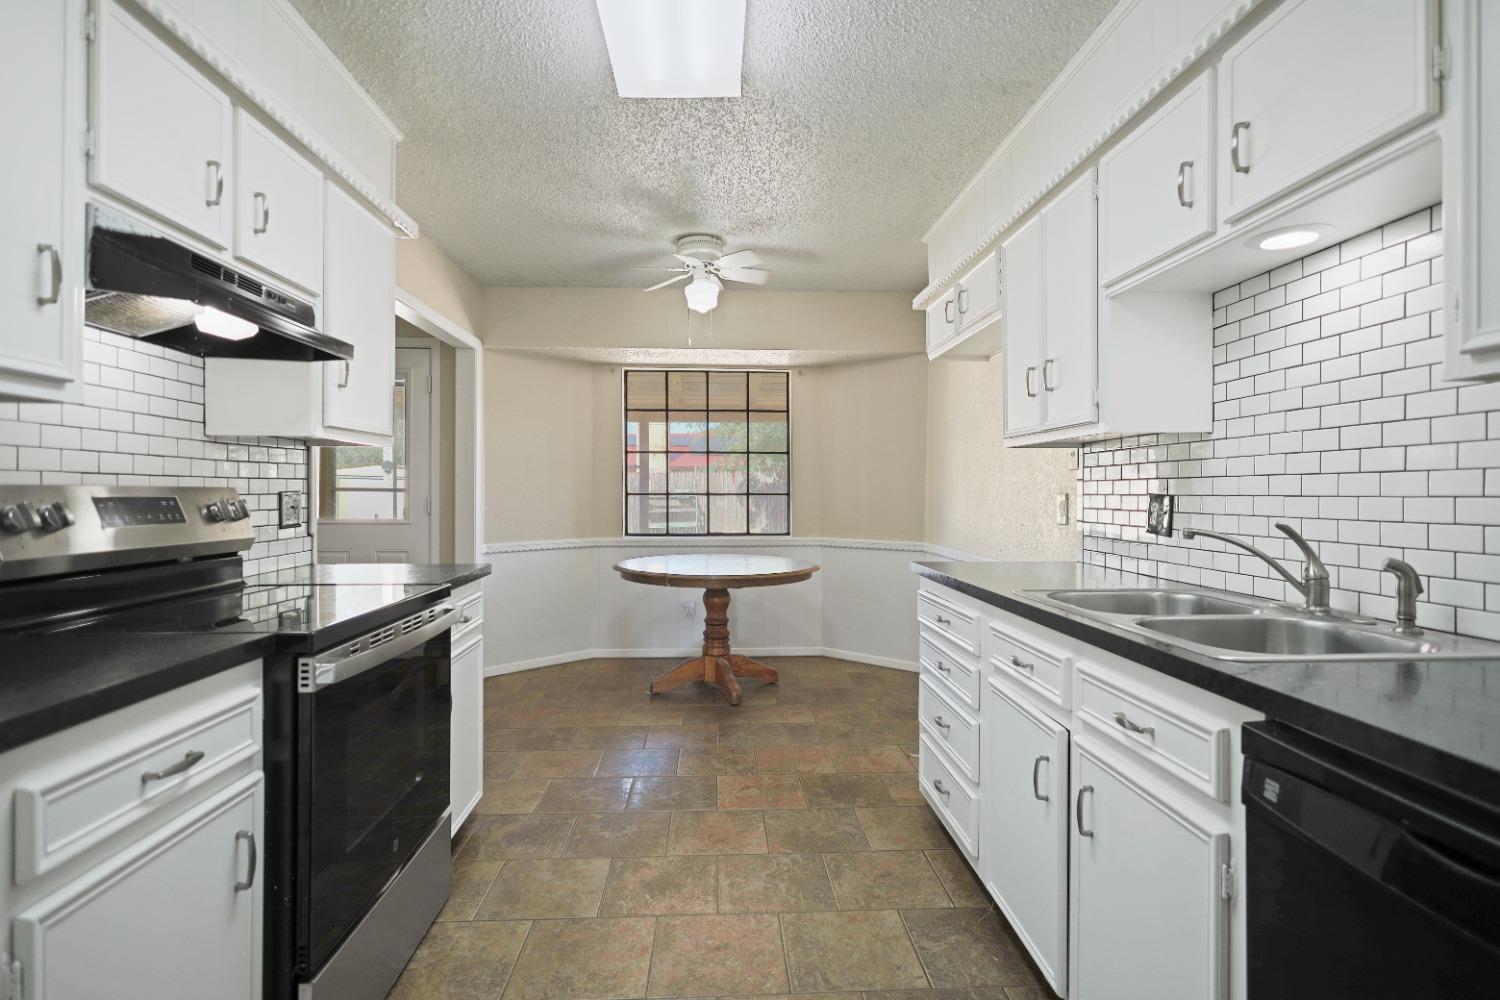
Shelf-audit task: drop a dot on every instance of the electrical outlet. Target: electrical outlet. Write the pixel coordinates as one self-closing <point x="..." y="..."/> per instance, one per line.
<point x="1159" y="514"/>
<point x="690" y="610"/>
<point x="291" y="509"/>
<point x="1062" y="508"/>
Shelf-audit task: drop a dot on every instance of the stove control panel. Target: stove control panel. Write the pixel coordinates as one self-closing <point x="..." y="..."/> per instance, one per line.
<point x="26" y="515"/>
<point x="226" y="509"/>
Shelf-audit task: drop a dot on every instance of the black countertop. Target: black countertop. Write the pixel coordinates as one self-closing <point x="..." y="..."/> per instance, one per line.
<point x="1439" y="720"/>
<point x="453" y="574"/>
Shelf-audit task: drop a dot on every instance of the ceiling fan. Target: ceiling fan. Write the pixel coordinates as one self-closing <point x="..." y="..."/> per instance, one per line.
<point x="705" y="268"/>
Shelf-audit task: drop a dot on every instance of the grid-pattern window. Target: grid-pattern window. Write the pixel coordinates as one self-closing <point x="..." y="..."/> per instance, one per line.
<point x="707" y="453"/>
<point x="359" y="483"/>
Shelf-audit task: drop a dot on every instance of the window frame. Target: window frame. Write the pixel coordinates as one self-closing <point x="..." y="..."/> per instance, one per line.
<point x="748" y="411"/>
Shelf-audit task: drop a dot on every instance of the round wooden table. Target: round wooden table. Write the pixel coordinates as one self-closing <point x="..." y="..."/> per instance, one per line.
<point x="716" y="575"/>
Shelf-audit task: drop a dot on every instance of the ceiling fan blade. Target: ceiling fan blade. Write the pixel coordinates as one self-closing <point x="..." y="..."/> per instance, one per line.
<point x="749" y="275"/>
<point x="740" y="258"/>
<point x="669" y="281"/>
<point x="693" y="262"/>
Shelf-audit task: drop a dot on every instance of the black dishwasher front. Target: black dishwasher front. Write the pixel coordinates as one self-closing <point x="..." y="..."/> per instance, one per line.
<point x="1362" y="881"/>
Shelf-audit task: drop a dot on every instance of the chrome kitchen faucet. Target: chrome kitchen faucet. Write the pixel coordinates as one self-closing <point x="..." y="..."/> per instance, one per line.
<point x="1313" y="586"/>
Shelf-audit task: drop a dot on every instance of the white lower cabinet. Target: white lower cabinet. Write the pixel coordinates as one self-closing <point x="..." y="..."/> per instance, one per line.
<point x="466" y="755"/>
<point x="1024" y="812"/>
<point x="1150" y="909"/>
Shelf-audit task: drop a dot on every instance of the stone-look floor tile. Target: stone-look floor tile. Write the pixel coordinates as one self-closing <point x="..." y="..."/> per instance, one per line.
<point x="510" y="795"/>
<point x="846" y="790"/>
<point x="717" y="956"/>
<point x="725" y="760"/>
<point x="905" y="787"/>
<point x="641" y="887"/>
<point x="968" y="947"/>
<point x="597" y="959"/>
<point x="982" y="993"/>
<point x="671" y="793"/>
<point x="582" y="717"/>
<point x="794" y="831"/>
<point x="871" y="758"/>
<point x="795" y="714"/>
<point x="636" y="763"/>
<point x="873" y="880"/>
<point x="501" y="838"/>
<point x="888" y="732"/>
<point x="650" y="715"/>
<point x="790" y="759"/>
<point x="963" y="885"/>
<point x="821" y="734"/>
<point x="773" y="883"/>
<point x="618" y="835"/>
<point x="760" y="791"/>
<point x="1017" y="993"/>
<point x="546" y="889"/>
<point x="902" y="828"/>
<point x="717" y="833"/>
<point x="683" y="737"/>
<point x="469" y="882"/>
<point x="501" y="764"/>
<point x="462" y="961"/>
<point x="584" y="795"/>
<point x="558" y="764"/>
<point x="863" y="950"/>
<point x="528" y="739"/>
<point x="743" y="734"/>
<point x="610" y="738"/>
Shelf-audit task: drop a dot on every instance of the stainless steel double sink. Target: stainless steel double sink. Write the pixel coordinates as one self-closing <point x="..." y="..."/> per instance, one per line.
<point x="1246" y="629"/>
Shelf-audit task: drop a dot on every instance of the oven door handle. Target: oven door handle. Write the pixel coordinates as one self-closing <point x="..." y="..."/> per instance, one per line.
<point x="314" y="673"/>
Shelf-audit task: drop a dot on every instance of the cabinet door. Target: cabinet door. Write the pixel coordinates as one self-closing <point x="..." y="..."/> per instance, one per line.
<point x="1156" y="186"/>
<point x="1299" y="94"/>
<point x="359" y="307"/>
<point x="161" y="130"/>
<point x="169" y="915"/>
<point x="979" y="294"/>
<point x="41" y="260"/>
<point x="467" y="735"/>
<point x="1023" y="815"/>
<point x="1148" y="918"/>
<point x="1025" y="315"/>
<point x="278" y="217"/>
<point x="1471" y="192"/>
<point x="1071" y="289"/>
<point x="942" y="317"/>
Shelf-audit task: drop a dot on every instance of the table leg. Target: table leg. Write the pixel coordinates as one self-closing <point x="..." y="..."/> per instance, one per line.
<point x="717" y="665"/>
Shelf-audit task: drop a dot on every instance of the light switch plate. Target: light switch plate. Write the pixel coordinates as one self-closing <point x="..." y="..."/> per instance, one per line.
<point x="1159" y="514"/>
<point x="291" y="509"/>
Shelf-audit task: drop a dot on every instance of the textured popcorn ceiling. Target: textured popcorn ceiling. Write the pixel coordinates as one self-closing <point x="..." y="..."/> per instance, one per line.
<point x="860" y="121"/>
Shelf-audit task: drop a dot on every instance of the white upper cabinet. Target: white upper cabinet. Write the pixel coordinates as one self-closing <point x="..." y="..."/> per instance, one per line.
<point x="358" y="307"/>
<point x="1315" y="84"/>
<point x="162" y="132"/>
<point x="1025" y="309"/>
<point x="41" y="258"/>
<point x="278" y="206"/>
<point x="942" y="321"/>
<point x="1149" y="917"/>
<point x="1471" y="191"/>
<point x="1156" y="188"/>
<point x="979" y="294"/>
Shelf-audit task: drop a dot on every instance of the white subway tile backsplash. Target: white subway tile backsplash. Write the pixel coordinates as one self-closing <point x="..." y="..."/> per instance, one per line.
<point x="141" y="424"/>
<point x="1331" y="414"/>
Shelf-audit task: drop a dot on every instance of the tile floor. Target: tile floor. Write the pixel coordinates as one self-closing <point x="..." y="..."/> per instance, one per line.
<point x="631" y="846"/>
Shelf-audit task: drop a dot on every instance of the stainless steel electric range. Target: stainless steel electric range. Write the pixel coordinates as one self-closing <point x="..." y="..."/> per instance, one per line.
<point x="358" y="706"/>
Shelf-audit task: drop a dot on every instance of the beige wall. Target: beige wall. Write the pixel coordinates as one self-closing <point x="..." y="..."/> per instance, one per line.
<point x="981" y="497"/>
<point x="424" y="270"/>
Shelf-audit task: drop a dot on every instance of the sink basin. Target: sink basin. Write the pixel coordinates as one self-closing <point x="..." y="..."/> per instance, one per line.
<point x="1149" y="602"/>
<point x="1288" y="638"/>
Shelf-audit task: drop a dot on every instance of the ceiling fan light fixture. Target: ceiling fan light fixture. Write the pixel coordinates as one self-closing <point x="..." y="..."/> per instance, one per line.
<point x="702" y="293"/>
<point x="675" y="48"/>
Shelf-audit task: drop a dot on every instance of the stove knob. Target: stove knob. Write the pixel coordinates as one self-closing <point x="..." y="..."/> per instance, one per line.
<point x="217" y="511"/>
<point x="54" y="517"/>
<point x="238" y="509"/>
<point x="19" y="519"/>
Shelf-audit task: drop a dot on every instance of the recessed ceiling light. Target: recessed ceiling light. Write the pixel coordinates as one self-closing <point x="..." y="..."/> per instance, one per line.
<point x="675" y="48"/>
<point x="1290" y="237"/>
<point x="221" y="324"/>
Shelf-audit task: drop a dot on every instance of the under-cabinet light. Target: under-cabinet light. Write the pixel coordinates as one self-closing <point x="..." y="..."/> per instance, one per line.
<point x="675" y="48"/>
<point x="221" y="324"/>
<point x="1290" y="237"/>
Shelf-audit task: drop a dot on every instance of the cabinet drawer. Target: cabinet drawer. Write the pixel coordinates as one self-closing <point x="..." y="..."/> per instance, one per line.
<point x="951" y="670"/>
<point x="950" y="797"/>
<point x="1194" y="747"/>
<point x="950" y="726"/>
<point x="1034" y="665"/>
<point x="954" y="623"/>
<point x="470" y="619"/>
<point x="84" y="798"/>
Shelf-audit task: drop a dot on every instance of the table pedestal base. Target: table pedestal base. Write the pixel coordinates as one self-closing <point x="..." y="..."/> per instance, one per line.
<point x="717" y="665"/>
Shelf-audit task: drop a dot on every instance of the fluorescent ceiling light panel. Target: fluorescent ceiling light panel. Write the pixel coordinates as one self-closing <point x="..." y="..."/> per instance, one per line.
<point x="675" y="48"/>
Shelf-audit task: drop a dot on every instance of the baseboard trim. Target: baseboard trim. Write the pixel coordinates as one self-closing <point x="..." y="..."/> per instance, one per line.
<point x="552" y="660"/>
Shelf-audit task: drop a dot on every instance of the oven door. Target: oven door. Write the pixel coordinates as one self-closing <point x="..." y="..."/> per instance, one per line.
<point x="373" y="758"/>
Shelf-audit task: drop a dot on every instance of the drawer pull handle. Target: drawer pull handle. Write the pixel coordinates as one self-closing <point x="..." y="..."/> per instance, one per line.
<point x="1182" y="171"/>
<point x="248" y="836"/>
<point x="948" y="311"/>
<point x="1030" y="392"/>
<point x="1131" y="727"/>
<point x="1016" y="661"/>
<point x="1078" y="811"/>
<point x="942" y="666"/>
<point x="1236" y="152"/>
<point x="1047" y="374"/>
<point x="942" y="621"/>
<point x="1036" y="767"/>
<point x="186" y="763"/>
<point x="938" y="784"/>
<point x="963" y="301"/>
<point x="51" y="294"/>
<point x="262" y="209"/>
<point x="464" y="620"/>
<point x="215" y="184"/>
<point x="937" y="720"/>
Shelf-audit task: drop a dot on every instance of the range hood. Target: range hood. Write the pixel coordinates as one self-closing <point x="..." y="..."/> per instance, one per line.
<point x="145" y="285"/>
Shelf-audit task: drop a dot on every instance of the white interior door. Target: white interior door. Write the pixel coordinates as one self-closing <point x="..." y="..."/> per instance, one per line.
<point x="375" y="504"/>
